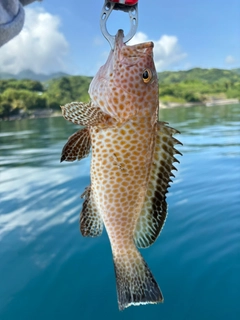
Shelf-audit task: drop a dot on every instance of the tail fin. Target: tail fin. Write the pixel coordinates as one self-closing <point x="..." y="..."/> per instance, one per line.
<point x="135" y="282"/>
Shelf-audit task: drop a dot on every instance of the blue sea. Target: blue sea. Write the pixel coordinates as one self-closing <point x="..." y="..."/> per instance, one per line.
<point x="49" y="271"/>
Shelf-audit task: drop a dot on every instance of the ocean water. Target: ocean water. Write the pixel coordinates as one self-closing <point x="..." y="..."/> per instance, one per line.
<point x="49" y="271"/>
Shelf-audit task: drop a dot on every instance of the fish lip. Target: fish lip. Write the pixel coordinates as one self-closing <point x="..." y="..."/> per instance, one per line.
<point x="119" y="40"/>
<point x="118" y="46"/>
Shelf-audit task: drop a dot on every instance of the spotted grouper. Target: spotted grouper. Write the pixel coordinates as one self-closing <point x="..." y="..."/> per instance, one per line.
<point x="131" y="164"/>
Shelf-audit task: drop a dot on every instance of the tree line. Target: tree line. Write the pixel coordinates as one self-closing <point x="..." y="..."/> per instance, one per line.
<point x="199" y="85"/>
<point x="25" y="96"/>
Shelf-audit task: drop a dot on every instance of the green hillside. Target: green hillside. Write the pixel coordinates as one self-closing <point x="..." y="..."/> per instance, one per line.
<point x="199" y="85"/>
<point x="25" y="96"/>
<point x="204" y="75"/>
<point x="29" y="74"/>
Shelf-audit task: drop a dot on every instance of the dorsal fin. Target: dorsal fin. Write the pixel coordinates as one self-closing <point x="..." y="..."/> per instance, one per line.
<point x="154" y="210"/>
<point x="91" y="224"/>
<point x="83" y="114"/>
<point x="77" y="147"/>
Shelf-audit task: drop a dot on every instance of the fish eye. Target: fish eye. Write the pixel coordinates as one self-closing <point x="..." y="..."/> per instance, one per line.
<point x="147" y="75"/>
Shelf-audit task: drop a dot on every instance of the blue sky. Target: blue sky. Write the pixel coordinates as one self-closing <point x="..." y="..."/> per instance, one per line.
<point x="65" y="35"/>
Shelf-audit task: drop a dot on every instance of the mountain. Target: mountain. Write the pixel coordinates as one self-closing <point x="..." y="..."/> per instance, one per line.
<point x="28" y="74"/>
<point x="236" y="70"/>
<point x="166" y="77"/>
<point x="205" y="75"/>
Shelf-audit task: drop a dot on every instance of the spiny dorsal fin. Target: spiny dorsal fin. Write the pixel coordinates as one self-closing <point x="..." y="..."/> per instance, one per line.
<point x="83" y="114"/>
<point x="154" y="210"/>
<point x="91" y="224"/>
<point x="77" y="147"/>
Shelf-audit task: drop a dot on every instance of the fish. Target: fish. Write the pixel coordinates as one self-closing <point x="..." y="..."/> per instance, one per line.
<point x="131" y="164"/>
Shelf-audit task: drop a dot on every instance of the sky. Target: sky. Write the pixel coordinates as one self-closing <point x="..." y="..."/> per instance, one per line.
<point x="65" y="35"/>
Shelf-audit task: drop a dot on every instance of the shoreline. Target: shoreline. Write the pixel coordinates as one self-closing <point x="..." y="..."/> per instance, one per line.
<point x="38" y="114"/>
<point x="210" y="103"/>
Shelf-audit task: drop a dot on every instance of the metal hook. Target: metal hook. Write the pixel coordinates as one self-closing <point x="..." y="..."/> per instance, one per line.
<point x="108" y="7"/>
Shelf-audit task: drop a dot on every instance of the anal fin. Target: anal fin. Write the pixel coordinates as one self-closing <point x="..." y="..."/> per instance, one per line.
<point x="154" y="210"/>
<point x="91" y="224"/>
<point x="77" y="147"/>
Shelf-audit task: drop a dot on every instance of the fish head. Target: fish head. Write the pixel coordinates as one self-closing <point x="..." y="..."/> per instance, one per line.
<point x="127" y="84"/>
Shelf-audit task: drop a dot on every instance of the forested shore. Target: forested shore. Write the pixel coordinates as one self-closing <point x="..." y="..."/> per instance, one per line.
<point x="21" y="98"/>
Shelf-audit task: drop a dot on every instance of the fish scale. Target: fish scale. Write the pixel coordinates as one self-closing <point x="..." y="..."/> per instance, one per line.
<point x="121" y="188"/>
<point x="132" y="160"/>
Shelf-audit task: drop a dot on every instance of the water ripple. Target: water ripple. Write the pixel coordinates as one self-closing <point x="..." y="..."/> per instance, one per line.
<point x="48" y="270"/>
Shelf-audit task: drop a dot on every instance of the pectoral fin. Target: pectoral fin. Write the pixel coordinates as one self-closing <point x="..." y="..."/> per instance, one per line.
<point x="91" y="224"/>
<point x="77" y="147"/>
<point x="83" y="114"/>
<point x="154" y="210"/>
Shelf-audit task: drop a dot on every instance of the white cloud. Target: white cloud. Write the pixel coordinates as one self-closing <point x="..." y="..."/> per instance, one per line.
<point x="138" y="38"/>
<point x="230" y="60"/>
<point x="40" y="46"/>
<point x="167" y="51"/>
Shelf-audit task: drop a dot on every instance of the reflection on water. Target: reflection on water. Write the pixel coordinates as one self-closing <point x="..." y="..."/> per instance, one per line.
<point x="48" y="270"/>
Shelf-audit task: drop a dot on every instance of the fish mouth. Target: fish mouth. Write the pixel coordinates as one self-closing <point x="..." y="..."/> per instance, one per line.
<point x="144" y="47"/>
<point x="119" y="39"/>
